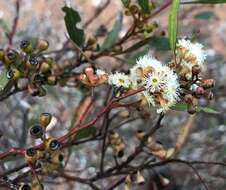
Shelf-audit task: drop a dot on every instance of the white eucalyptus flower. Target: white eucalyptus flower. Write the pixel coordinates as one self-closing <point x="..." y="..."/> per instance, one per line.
<point x="119" y="80"/>
<point x="192" y="50"/>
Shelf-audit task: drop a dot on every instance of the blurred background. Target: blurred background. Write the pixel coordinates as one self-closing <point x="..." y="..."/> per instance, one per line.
<point x="45" y="19"/>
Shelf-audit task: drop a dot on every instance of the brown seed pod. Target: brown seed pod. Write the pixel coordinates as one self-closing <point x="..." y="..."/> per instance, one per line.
<point x="37" y="131"/>
<point x="139" y="178"/>
<point x="52" y="144"/>
<point x="32" y="155"/>
<point x="45" y="119"/>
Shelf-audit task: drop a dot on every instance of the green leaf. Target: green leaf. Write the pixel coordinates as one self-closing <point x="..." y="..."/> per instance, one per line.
<point x="179" y="107"/>
<point x="126" y="3"/>
<point x="158" y="43"/>
<point x="204" y="2"/>
<point x="113" y="35"/>
<point x="3" y="80"/>
<point x="144" y="4"/>
<point x="84" y="133"/>
<point x="133" y="58"/>
<point x="172" y="23"/>
<point x="4" y="26"/>
<point x="206" y="110"/>
<point x="206" y="15"/>
<point x="71" y="19"/>
<point x="183" y="107"/>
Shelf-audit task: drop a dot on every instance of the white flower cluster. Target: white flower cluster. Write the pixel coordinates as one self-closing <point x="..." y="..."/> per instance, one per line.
<point x="160" y="82"/>
<point x="119" y="80"/>
<point x="189" y="53"/>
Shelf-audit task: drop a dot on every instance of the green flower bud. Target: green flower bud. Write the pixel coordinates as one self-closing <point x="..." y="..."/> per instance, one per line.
<point x="44" y="68"/>
<point x="52" y="80"/>
<point x="42" y="45"/>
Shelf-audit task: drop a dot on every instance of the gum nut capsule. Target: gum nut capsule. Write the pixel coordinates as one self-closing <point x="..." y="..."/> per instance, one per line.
<point x="10" y="56"/>
<point x="37" y="131"/>
<point x="54" y="145"/>
<point x="139" y="178"/>
<point x="42" y="45"/>
<point x="33" y="61"/>
<point x="13" y="74"/>
<point x="140" y="134"/>
<point x="45" y="119"/>
<point x="24" y="187"/>
<point x="31" y="152"/>
<point x="26" y="46"/>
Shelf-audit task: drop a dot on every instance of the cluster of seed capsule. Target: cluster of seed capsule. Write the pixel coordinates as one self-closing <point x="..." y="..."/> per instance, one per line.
<point x="141" y="17"/>
<point x="134" y="179"/>
<point x="117" y="144"/>
<point x="47" y="159"/>
<point x="29" y="63"/>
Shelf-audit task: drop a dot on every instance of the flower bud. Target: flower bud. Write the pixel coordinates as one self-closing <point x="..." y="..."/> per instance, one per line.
<point x="89" y="71"/>
<point x="37" y="131"/>
<point x="26" y="46"/>
<point x="45" y="119"/>
<point x="45" y="67"/>
<point x="52" y="80"/>
<point x="196" y="69"/>
<point x="208" y="83"/>
<point x="91" y="41"/>
<point x="191" y="109"/>
<point x="199" y="91"/>
<point x="188" y="98"/>
<point x="133" y="9"/>
<point x="42" y="45"/>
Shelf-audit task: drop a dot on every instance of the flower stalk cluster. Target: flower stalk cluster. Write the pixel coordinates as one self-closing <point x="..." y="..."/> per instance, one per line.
<point x="167" y="84"/>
